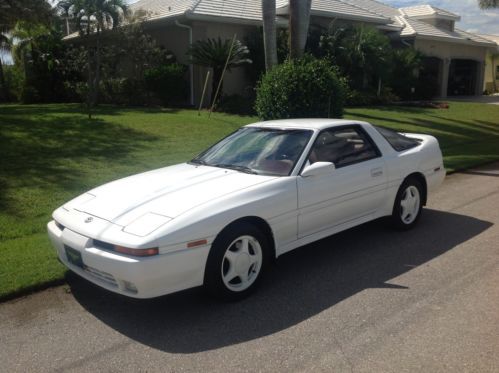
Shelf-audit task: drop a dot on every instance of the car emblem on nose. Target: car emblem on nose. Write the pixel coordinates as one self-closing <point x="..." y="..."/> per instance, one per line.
<point x="89" y="219"/>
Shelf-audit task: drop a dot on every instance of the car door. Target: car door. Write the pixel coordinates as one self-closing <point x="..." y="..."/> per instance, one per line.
<point x="354" y="190"/>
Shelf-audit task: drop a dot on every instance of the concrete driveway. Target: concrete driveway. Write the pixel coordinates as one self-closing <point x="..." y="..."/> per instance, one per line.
<point x="493" y="99"/>
<point x="367" y="300"/>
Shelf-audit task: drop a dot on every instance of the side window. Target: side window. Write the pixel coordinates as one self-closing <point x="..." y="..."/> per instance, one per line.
<point x="343" y="146"/>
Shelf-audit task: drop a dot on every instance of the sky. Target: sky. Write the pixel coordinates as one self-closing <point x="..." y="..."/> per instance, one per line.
<point x="473" y="19"/>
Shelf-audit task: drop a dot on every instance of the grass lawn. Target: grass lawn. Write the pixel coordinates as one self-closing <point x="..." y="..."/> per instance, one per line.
<point x="51" y="153"/>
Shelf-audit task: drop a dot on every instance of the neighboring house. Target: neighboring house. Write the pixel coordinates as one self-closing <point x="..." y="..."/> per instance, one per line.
<point x="456" y="59"/>
<point x="491" y="81"/>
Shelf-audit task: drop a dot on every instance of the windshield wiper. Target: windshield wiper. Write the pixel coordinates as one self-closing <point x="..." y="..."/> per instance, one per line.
<point x="198" y="161"/>
<point x="236" y="167"/>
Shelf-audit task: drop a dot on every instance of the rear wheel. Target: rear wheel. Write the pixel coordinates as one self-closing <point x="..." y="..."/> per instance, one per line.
<point x="408" y="204"/>
<point x="236" y="262"/>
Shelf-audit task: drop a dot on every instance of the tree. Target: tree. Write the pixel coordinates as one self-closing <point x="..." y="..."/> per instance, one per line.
<point x="64" y="7"/>
<point x="13" y="11"/>
<point x="5" y="46"/>
<point x="213" y="53"/>
<point x="487" y="4"/>
<point x="39" y="11"/>
<point x="299" y="19"/>
<point x="92" y="17"/>
<point x="361" y="52"/>
<point x="37" y="52"/>
<point x="269" y="33"/>
<point x="25" y="50"/>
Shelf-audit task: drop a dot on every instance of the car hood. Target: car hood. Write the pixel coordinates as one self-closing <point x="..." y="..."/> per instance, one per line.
<point x="167" y="192"/>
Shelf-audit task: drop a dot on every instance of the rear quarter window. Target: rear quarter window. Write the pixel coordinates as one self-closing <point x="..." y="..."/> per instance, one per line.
<point x="396" y="140"/>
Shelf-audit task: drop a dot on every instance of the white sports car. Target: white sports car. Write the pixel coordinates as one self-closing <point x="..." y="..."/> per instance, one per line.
<point x="220" y="219"/>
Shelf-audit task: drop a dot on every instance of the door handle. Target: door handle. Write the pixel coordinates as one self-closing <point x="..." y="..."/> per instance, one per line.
<point x="375" y="172"/>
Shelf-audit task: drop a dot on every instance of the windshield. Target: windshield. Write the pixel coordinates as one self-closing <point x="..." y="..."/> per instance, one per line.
<point x="265" y="151"/>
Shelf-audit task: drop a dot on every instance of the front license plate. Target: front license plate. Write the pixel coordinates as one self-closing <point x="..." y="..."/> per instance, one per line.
<point x="74" y="256"/>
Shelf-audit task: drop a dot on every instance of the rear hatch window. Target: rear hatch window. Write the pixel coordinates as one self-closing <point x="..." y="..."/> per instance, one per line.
<point x="398" y="141"/>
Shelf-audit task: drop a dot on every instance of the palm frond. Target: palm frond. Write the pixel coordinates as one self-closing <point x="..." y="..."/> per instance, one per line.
<point x="214" y="53"/>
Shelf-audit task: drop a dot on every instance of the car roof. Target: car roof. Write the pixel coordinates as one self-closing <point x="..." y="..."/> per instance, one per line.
<point x="316" y="124"/>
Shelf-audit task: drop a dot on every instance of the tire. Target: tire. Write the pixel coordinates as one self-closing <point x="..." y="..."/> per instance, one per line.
<point x="238" y="258"/>
<point x="408" y="204"/>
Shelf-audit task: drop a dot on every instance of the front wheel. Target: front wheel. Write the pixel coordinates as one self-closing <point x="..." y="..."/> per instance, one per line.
<point x="408" y="205"/>
<point x="236" y="262"/>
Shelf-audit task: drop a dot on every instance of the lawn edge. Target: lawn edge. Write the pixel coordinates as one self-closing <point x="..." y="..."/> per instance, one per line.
<point x="31" y="289"/>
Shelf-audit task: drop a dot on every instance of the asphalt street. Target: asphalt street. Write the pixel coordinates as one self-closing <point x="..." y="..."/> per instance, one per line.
<point x="366" y="300"/>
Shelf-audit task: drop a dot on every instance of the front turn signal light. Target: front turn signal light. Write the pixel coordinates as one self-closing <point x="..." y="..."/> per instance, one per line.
<point x="136" y="252"/>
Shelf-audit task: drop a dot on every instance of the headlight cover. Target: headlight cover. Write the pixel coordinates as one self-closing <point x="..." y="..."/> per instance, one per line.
<point x="146" y="224"/>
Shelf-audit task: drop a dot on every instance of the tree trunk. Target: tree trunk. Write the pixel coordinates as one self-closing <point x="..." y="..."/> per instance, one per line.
<point x="97" y="70"/>
<point x="89" y="82"/>
<point x="3" y="89"/>
<point x="299" y="19"/>
<point x="494" y="80"/>
<point x="269" y="33"/>
<point x="89" y="72"/>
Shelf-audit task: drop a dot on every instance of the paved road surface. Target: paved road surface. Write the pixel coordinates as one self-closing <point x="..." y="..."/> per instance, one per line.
<point x="367" y="300"/>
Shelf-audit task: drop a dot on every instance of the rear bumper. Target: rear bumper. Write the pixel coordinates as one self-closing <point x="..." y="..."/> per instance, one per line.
<point x="134" y="277"/>
<point x="434" y="178"/>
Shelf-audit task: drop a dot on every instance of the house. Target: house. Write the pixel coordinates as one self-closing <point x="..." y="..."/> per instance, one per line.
<point x="455" y="58"/>
<point x="491" y="81"/>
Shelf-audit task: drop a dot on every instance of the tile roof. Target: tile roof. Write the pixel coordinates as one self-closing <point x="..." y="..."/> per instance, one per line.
<point x="375" y="7"/>
<point x="426" y="11"/>
<point x="492" y="38"/>
<point x="415" y="27"/>
<point x="251" y="9"/>
<point x="407" y="20"/>
<point x="247" y="9"/>
<point x="346" y="9"/>
<point x="163" y="8"/>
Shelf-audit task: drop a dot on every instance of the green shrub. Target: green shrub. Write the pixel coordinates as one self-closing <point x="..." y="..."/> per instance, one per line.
<point x="168" y="82"/>
<point x="14" y="81"/>
<point x="123" y="91"/>
<point x="29" y="95"/>
<point x="237" y="104"/>
<point x="370" y="97"/>
<point x="305" y="88"/>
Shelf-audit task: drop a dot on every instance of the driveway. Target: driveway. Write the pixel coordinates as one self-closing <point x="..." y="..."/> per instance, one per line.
<point x="366" y="300"/>
<point x="493" y="99"/>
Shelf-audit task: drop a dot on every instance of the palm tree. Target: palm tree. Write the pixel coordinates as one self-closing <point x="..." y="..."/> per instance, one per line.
<point x="24" y="10"/>
<point x="5" y="46"/>
<point x="25" y="51"/>
<point x="487" y="4"/>
<point x="213" y="53"/>
<point x="92" y="17"/>
<point x="269" y="33"/>
<point x="64" y="7"/>
<point x="299" y="19"/>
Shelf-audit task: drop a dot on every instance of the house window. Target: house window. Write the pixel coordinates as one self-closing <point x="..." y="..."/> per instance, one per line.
<point x="497" y="72"/>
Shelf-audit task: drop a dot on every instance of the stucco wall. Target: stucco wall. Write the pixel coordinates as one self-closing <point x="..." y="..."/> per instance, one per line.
<point x="444" y="50"/>
<point x="235" y="81"/>
<point x="450" y="51"/>
<point x="172" y="38"/>
<point x="176" y="39"/>
<point x="491" y="66"/>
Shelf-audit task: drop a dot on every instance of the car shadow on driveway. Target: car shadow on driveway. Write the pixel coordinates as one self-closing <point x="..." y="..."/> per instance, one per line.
<point x="302" y="284"/>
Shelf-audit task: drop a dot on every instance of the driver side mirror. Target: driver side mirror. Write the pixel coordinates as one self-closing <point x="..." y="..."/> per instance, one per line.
<point x="318" y="168"/>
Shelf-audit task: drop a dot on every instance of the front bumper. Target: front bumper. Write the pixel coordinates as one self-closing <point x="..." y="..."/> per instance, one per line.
<point x="134" y="277"/>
